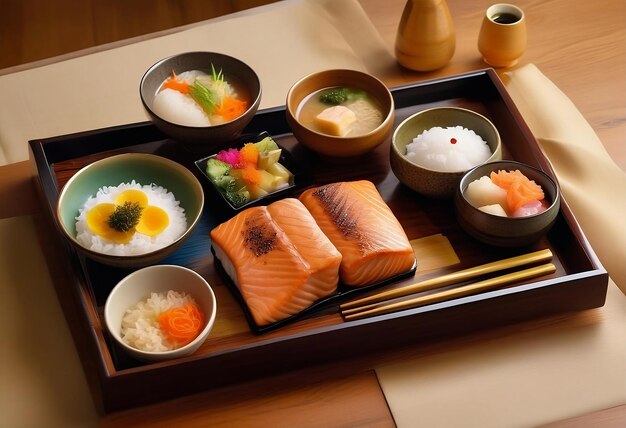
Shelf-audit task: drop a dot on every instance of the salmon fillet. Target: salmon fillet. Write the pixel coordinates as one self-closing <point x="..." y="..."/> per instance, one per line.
<point x="279" y="259"/>
<point x="361" y="225"/>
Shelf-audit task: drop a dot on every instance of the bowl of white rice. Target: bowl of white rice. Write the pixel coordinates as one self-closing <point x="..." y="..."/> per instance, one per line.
<point x="130" y="210"/>
<point x="432" y="149"/>
<point x="135" y="307"/>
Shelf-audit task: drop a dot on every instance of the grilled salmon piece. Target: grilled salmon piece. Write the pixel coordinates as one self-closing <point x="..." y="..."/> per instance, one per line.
<point x="279" y="259"/>
<point x="361" y="225"/>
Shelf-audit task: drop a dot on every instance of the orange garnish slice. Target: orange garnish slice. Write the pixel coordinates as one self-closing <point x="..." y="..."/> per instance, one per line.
<point x="182" y="324"/>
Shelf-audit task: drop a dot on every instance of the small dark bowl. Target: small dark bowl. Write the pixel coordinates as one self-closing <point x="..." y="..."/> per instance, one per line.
<point x="507" y="231"/>
<point x="202" y="139"/>
<point x="301" y="175"/>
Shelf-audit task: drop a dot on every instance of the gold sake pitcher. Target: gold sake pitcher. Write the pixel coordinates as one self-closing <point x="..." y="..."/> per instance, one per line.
<point x="426" y="39"/>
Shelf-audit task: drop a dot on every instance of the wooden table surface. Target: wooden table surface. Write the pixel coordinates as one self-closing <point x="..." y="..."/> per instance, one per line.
<point x="581" y="47"/>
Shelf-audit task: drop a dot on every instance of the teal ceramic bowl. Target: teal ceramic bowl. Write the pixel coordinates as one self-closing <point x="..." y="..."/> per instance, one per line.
<point x="114" y="170"/>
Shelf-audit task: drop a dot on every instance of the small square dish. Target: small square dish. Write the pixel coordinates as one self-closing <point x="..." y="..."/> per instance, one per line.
<point x="251" y="171"/>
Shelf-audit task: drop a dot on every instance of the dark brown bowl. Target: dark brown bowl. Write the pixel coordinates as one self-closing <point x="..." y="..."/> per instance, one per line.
<point x="201" y="139"/>
<point x="506" y="231"/>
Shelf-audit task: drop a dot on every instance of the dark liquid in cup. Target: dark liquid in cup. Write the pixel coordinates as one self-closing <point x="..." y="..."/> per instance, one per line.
<point x="504" y="18"/>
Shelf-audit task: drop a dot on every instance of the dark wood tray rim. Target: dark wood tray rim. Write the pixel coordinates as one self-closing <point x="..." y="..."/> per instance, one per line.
<point x="113" y="389"/>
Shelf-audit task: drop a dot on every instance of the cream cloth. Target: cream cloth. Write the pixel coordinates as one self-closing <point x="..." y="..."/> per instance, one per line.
<point x="593" y="185"/>
<point x="528" y="379"/>
<point x="550" y="373"/>
<point x="42" y="383"/>
<point x="281" y="42"/>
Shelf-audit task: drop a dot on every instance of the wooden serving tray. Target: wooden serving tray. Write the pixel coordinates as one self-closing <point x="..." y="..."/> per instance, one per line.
<point x="233" y="353"/>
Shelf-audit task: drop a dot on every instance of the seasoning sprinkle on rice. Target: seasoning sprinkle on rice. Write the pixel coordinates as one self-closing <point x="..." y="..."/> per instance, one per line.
<point x="158" y="198"/>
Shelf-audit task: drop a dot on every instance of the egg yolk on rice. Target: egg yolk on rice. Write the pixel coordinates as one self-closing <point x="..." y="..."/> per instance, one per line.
<point x="152" y="221"/>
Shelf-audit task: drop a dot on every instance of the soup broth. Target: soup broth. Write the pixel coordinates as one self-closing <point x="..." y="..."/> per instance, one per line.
<point x="365" y="113"/>
<point x="197" y="98"/>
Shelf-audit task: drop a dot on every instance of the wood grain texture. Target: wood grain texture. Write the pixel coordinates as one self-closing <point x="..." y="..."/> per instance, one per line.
<point x="576" y="44"/>
<point x="232" y="354"/>
<point x="269" y="402"/>
<point x="17" y="187"/>
<point x="32" y="30"/>
<point x="614" y="417"/>
<point x="582" y="52"/>
<point x="344" y="402"/>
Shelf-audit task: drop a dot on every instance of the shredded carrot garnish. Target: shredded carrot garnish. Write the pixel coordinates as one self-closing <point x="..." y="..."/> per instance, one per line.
<point x="182" y="324"/>
<point x="177" y="85"/>
<point x="520" y="189"/>
<point x="231" y="108"/>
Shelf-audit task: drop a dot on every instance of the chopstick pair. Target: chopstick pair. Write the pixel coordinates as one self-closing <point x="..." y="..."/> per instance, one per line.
<point x="376" y="304"/>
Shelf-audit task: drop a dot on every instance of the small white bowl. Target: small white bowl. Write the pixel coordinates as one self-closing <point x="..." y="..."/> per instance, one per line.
<point x="158" y="279"/>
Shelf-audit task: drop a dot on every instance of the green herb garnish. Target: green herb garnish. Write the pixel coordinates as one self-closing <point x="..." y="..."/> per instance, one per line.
<point x="203" y="96"/>
<point x="217" y="75"/>
<point x="125" y="217"/>
<point x="339" y="95"/>
<point x="334" y="96"/>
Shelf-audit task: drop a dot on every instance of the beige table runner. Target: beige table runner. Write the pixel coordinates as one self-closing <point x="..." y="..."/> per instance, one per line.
<point x="42" y="384"/>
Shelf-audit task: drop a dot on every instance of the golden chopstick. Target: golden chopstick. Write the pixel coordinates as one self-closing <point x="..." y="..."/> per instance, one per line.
<point x="453" y="278"/>
<point x="477" y="287"/>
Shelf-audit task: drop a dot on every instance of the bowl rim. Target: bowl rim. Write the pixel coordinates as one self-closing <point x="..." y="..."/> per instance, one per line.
<point x="135" y="257"/>
<point x="389" y="115"/>
<point x="464" y="110"/>
<point x="556" y="201"/>
<point x="253" y="104"/>
<point x="210" y="320"/>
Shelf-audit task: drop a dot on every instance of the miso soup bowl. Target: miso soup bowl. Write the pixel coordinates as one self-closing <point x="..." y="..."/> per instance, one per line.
<point x="507" y="231"/>
<point x="115" y="170"/>
<point x="424" y="180"/>
<point x="139" y="285"/>
<point x="202" y="139"/>
<point x="338" y="146"/>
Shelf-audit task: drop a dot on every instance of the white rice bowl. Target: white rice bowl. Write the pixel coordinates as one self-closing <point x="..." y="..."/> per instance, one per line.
<point x="433" y="150"/>
<point x="139" y="244"/>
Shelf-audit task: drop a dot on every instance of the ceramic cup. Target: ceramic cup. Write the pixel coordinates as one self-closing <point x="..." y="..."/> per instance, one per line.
<point x="502" y="37"/>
